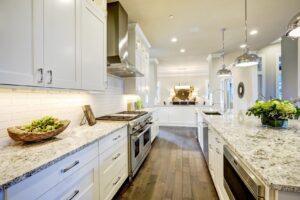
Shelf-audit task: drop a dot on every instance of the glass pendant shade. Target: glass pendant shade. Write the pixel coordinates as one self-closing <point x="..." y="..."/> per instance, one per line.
<point x="294" y="27"/>
<point x="246" y="60"/>
<point x="224" y="73"/>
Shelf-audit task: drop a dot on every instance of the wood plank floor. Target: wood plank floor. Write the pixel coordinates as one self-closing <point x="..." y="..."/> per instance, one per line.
<point x="175" y="169"/>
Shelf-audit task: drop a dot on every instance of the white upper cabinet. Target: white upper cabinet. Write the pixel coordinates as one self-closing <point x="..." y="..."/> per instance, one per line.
<point x="61" y="62"/>
<point x="19" y="41"/>
<point x="53" y="43"/>
<point x="93" y="47"/>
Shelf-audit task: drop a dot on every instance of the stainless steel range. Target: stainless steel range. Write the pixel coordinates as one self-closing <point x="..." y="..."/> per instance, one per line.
<point x="139" y="130"/>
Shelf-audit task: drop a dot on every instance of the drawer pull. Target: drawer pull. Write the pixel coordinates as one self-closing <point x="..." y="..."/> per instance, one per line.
<point x="218" y="141"/>
<point x="115" y="183"/>
<point x="68" y="168"/>
<point x="117" y="156"/>
<point x="114" y="139"/>
<point x="73" y="195"/>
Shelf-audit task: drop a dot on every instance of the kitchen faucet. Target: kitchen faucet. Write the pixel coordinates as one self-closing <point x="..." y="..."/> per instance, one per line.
<point x="222" y="107"/>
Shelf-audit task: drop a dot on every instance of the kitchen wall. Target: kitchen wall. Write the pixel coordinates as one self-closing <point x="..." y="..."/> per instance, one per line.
<point x="270" y="55"/>
<point x="19" y="106"/>
<point x="166" y="84"/>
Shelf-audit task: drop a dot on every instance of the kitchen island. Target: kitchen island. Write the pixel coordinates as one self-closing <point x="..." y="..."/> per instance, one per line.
<point x="273" y="155"/>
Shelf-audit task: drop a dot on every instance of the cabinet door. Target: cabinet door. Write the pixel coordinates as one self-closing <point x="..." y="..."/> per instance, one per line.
<point x="82" y="185"/>
<point x="93" y="43"/>
<point x="20" y="38"/>
<point x="163" y="114"/>
<point x="61" y="53"/>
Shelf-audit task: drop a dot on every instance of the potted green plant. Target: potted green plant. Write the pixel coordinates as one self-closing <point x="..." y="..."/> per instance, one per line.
<point x="274" y="113"/>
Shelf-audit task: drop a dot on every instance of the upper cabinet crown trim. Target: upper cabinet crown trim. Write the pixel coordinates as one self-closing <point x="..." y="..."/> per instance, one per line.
<point x="140" y="32"/>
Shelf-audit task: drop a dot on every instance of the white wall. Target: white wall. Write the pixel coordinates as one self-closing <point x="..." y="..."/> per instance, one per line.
<point x="167" y="84"/>
<point x="19" y="106"/>
<point x="270" y="54"/>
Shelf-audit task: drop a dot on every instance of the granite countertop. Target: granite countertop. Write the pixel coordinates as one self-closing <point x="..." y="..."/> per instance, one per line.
<point x="19" y="161"/>
<point x="272" y="154"/>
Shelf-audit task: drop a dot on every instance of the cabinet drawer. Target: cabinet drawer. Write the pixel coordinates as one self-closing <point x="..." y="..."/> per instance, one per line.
<point x="38" y="184"/>
<point x="114" y="156"/>
<point x="112" y="139"/>
<point x="83" y="184"/>
<point x="109" y="185"/>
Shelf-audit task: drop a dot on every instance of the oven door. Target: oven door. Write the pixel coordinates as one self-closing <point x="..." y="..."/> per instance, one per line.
<point x="239" y="182"/>
<point x="139" y="147"/>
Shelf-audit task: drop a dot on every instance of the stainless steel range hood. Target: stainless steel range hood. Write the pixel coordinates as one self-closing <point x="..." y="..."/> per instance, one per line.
<point x="117" y="42"/>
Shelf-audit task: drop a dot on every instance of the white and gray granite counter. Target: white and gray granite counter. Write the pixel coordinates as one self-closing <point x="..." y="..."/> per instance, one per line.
<point x="19" y="161"/>
<point x="272" y="154"/>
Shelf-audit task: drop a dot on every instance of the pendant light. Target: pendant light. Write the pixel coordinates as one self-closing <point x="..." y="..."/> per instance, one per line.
<point x="223" y="73"/>
<point x="294" y="27"/>
<point x="247" y="59"/>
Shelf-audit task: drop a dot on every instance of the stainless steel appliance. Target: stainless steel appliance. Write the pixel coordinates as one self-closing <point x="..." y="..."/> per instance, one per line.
<point x="239" y="182"/>
<point x="139" y="130"/>
<point x="204" y="134"/>
<point x="117" y="42"/>
<point x="140" y="142"/>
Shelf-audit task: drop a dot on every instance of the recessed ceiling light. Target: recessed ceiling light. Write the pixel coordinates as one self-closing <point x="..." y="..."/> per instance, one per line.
<point x="243" y="46"/>
<point x="253" y="32"/>
<point x="171" y="16"/>
<point x="182" y="50"/>
<point x="174" y="39"/>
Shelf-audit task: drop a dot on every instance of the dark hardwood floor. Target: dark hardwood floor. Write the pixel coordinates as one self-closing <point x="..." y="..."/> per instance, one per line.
<point x="174" y="169"/>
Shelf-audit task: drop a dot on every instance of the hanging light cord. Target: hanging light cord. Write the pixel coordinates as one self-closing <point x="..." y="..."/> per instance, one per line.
<point x="223" y="49"/>
<point x="246" y="27"/>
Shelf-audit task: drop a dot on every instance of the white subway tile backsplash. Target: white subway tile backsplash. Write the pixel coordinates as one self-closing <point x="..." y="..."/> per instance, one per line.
<point x="20" y="106"/>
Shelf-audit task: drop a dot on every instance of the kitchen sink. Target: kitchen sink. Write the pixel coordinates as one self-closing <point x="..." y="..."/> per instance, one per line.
<point x="212" y="113"/>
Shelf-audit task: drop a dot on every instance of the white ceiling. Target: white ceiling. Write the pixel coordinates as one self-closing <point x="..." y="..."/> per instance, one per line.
<point x="269" y="17"/>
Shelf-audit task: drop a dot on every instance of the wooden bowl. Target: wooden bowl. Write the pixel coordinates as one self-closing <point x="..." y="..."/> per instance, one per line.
<point x="19" y="135"/>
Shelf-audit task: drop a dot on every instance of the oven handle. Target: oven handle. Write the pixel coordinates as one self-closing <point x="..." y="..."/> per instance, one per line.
<point x="140" y="134"/>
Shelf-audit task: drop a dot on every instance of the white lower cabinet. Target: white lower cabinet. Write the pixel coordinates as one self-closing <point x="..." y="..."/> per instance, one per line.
<point x="38" y="184"/>
<point x="215" y="148"/>
<point x="177" y="116"/>
<point x="82" y="185"/>
<point x="154" y="130"/>
<point x="113" y="165"/>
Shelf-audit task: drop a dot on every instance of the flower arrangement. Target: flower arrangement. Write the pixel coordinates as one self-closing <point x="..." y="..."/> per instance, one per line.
<point x="275" y="113"/>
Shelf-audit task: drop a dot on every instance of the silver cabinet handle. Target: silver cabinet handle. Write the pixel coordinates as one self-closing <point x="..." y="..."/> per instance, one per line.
<point x="117" y="156"/>
<point x="114" y="139"/>
<point x="73" y="195"/>
<point x="51" y="77"/>
<point x="115" y="183"/>
<point x="42" y="75"/>
<point x="218" y="141"/>
<point x="217" y="150"/>
<point x="70" y="167"/>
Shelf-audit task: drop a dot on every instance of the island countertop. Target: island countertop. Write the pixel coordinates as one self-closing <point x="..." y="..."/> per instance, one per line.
<point x="19" y="161"/>
<point x="272" y="154"/>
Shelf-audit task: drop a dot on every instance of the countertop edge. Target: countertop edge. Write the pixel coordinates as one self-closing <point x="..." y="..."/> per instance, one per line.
<point x="52" y="162"/>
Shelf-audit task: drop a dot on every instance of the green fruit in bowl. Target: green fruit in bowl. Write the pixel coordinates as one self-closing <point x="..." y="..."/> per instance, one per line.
<point x="43" y="125"/>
